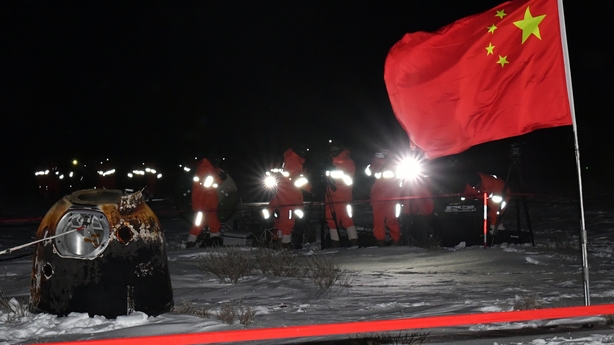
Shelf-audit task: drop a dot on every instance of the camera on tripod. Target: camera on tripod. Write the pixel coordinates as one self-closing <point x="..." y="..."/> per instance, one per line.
<point x="330" y="182"/>
<point x="321" y="173"/>
<point x="515" y="151"/>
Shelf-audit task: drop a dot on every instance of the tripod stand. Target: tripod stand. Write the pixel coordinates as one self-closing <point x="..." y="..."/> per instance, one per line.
<point x="328" y="202"/>
<point x="514" y="168"/>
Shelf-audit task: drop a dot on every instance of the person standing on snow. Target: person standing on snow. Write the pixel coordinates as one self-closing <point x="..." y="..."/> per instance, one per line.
<point x="106" y="175"/>
<point x="420" y="202"/>
<point x="205" y="201"/>
<point x="151" y="179"/>
<point x="338" y="201"/>
<point x="385" y="203"/>
<point x="48" y="177"/>
<point x="498" y="196"/>
<point x="417" y="209"/>
<point x="288" y="199"/>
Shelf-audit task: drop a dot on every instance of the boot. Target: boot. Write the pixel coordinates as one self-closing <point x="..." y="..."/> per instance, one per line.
<point x="287" y="246"/>
<point x="381" y="243"/>
<point x="352" y="233"/>
<point x="275" y="244"/>
<point x="192" y="238"/>
<point x="354" y="242"/>
<point x="191" y="242"/>
<point x="334" y="244"/>
<point x="334" y="235"/>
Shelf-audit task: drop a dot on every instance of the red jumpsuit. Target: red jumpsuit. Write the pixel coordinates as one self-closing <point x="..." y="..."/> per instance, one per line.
<point x="288" y="197"/>
<point x="48" y="177"/>
<point x="106" y="176"/>
<point x="205" y="199"/>
<point x="150" y="187"/>
<point x="384" y="200"/>
<point x="341" y="197"/>
<point x="422" y="205"/>
<point x="493" y="186"/>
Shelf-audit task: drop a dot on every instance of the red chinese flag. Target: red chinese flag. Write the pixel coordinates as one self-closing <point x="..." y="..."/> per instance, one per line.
<point x="485" y="77"/>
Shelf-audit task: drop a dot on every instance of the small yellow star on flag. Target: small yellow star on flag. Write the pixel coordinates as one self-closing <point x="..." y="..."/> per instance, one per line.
<point x="529" y="25"/>
<point x="489" y="49"/>
<point x="501" y="14"/>
<point x="502" y="60"/>
<point x="492" y="28"/>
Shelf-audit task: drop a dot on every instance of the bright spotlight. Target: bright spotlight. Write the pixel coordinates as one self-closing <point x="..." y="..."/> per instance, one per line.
<point x="270" y="182"/>
<point x="409" y="169"/>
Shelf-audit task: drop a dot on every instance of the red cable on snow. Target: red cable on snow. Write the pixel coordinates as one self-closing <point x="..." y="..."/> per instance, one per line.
<point x="357" y="327"/>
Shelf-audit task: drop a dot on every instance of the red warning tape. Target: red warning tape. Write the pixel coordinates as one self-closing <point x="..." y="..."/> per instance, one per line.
<point x="357" y="327"/>
<point x="30" y="220"/>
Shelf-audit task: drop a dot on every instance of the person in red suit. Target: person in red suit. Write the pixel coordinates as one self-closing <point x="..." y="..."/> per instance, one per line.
<point x="288" y="199"/>
<point x="205" y="201"/>
<point x="48" y="177"/>
<point x="417" y="210"/>
<point x="339" y="196"/>
<point x="385" y="194"/>
<point x="106" y="175"/>
<point x="417" y="186"/>
<point x="420" y="202"/>
<point x="497" y="197"/>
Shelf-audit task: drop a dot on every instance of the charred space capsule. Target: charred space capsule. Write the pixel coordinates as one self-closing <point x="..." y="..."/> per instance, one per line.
<point x="106" y="256"/>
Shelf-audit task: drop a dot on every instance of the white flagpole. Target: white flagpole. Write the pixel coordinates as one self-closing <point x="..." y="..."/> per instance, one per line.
<point x="583" y="238"/>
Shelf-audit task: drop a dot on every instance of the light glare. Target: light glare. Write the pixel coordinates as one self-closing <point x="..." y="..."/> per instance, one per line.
<point x="270" y="181"/>
<point x="409" y="168"/>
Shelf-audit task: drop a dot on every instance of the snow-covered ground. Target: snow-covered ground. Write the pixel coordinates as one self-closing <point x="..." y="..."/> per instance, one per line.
<point x="389" y="282"/>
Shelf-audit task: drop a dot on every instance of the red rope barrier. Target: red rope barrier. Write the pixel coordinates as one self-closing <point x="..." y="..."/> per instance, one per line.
<point x="35" y="220"/>
<point x="357" y="327"/>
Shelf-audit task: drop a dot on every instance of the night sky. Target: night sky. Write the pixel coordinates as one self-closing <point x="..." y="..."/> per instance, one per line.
<point x="164" y="81"/>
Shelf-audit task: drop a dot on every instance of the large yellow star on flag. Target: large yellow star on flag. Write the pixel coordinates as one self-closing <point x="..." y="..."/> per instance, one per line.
<point x="529" y="25"/>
